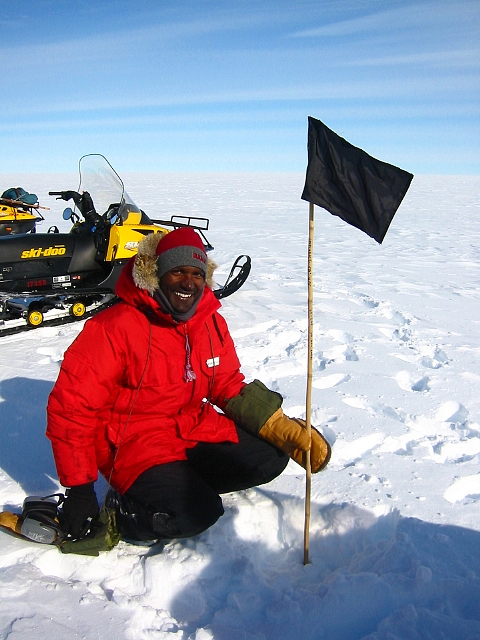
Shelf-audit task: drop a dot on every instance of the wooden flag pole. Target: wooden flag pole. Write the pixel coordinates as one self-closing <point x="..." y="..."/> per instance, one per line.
<point x="308" y="402"/>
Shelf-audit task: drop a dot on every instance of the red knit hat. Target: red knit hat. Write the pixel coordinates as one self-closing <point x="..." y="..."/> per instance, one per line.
<point x="181" y="248"/>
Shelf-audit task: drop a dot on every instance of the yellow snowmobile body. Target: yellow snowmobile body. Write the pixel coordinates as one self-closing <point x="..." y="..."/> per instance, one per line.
<point x="17" y="218"/>
<point x="124" y="239"/>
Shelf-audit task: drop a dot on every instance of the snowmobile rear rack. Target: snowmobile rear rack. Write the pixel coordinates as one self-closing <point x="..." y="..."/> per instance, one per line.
<point x="22" y="205"/>
<point x="177" y="221"/>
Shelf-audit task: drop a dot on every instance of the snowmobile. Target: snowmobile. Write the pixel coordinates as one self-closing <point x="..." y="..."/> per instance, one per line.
<point x="19" y="212"/>
<point x="53" y="277"/>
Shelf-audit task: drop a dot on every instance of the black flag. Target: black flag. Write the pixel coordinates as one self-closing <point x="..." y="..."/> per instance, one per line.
<point x="347" y="182"/>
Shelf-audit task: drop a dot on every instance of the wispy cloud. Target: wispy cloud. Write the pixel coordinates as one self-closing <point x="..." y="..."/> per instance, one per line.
<point x="462" y="58"/>
<point x="257" y="115"/>
<point x="409" y="16"/>
<point x="124" y="43"/>
<point x="114" y="45"/>
<point x="403" y="88"/>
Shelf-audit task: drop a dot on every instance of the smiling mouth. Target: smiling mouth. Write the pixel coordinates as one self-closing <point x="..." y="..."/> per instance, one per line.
<point x="183" y="296"/>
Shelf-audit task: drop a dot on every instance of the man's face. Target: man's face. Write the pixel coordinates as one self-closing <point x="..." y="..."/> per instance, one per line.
<point x="182" y="287"/>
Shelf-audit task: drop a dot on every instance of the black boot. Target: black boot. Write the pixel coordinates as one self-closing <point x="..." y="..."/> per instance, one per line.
<point x="136" y="521"/>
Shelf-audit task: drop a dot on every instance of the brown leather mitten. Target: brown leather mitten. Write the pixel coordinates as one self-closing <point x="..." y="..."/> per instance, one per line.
<point x="258" y="410"/>
<point x="290" y="435"/>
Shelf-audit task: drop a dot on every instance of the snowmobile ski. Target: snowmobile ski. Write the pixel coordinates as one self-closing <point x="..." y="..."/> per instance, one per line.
<point x="237" y="276"/>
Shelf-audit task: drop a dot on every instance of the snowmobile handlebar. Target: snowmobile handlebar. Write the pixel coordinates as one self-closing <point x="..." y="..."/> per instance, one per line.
<point x="84" y="203"/>
<point x="67" y="195"/>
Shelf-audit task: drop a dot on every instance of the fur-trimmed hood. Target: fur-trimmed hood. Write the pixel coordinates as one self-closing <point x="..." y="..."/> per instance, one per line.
<point x="144" y="271"/>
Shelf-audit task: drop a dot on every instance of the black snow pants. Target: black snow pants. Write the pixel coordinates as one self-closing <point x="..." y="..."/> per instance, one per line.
<point x="181" y="499"/>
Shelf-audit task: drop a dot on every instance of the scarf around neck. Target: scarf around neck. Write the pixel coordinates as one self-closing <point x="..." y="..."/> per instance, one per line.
<point x="166" y="307"/>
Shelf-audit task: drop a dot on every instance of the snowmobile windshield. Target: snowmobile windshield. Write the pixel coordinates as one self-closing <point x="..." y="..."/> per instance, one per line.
<point x="99" y="178"/>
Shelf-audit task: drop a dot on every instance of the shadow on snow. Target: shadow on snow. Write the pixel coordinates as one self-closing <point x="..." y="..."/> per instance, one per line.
<point x="369" y="578"/>
<point x="25" y="452"/>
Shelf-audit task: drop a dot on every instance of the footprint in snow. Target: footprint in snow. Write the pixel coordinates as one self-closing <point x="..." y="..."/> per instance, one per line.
<point x="343" y="352"/>
<point x="412" y="382"/>
<point x="370" y="479"/>
<point x="359" y="402"/>
<point x="464" y="488"/>
<point x="403" y="334"/>
<point x="53" y="355"/>
<point x="367" y="301"/>
<point x="456" y="452"/>
<point x="348" y="453"/>
<point x="452" y="411"/>
<point x="340" y="336"/>
<point x="434" y="358"/>
<point x="327" y="382"/>
<point x="356" y="402"/>
<point x="430" y="357"/>
<point x="394" y="316"/>
<point x="259" y="328"/>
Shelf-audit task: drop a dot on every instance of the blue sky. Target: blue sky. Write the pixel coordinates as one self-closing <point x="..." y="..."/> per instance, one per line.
<point x="227" y="85"/>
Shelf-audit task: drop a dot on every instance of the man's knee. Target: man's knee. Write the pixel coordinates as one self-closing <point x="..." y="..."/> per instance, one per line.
<point x="190" y="521"/>
<point x="273" y="466"/>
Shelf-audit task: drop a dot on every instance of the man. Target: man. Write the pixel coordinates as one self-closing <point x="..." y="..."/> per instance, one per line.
<point x="136" y="395"/>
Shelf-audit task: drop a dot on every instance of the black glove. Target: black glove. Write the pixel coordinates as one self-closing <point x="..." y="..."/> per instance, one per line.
<point x="79" y="506"/>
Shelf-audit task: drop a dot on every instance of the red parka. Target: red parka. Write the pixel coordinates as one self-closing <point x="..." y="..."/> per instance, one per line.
<point x="121" y="403"/>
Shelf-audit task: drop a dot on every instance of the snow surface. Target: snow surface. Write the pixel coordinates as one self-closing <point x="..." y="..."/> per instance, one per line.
<point x="395" y="532"/>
